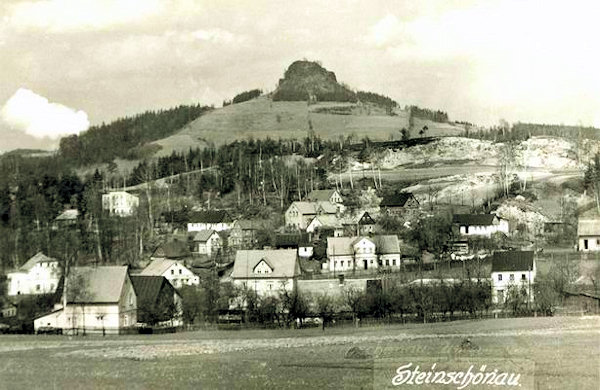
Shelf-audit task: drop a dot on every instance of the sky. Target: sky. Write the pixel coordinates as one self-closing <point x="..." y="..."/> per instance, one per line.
<point x="68" y="64"/>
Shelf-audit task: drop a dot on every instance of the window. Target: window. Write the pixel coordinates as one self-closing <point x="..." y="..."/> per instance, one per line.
<point x="585" y="244"/>
<point x="512" y="277"/>
<point x="499" y="277"/>
<point x="172" y="272"/>
<point x="523" y="277"/>
<point x="37" y="287"/>
<point x="180" y="271"/>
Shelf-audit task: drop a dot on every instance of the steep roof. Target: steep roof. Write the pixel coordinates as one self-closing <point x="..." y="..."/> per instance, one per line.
<point x="328" y="220"/>
<point x="386" y="244"/>
<point x="340" y="246"/>
<point x="503" y="261"/>
<point x="68" y="215"/>
<point x="203" y="235"/>
<point x="366" y="219"/>
<point x="98" y="284"/>
<point x="147" y="287"/>
<point x="209" y="216"/>
<point x="307" y="208"/>
<point x="283" y="262"/>
<point x="474" y="219"/>
<point x="158" y="267"/>
<point x="37" y="258"/>
<point x="291" y="240"/>
<point x="320" y="195"/>
<point x="588" y="227"/>
<point x="397" y="199"/>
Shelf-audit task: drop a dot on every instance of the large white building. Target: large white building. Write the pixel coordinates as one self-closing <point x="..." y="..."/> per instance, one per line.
<point x="120" y="203"/>
<point x="513" y="270"/>
<point x="362" y="253"/>
<point x="100" y="300"/>
<point x="266" y="272"/>
<point x="39" y="275"/>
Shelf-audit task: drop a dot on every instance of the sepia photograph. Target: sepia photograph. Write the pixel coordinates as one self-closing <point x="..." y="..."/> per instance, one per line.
<point x="305" y="194"/>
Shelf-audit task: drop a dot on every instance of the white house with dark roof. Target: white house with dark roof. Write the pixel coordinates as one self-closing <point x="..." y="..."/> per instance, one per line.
<point x="362" y="253"/>
<point x="99" y="300"/>
<point x="588" y="234"/>
<point x="266" y="272"/>
<point x="175" y="272"/>
<point x="327" y="221"/>
<point x="207" y="242"/>
<point x="512" y="270"/>
<point x="217" y="220"/>
<point x="300" y="214"/>
<point x="39" y="275"/>
<point x="120" y="203"/>
<point x="480" y="224"/>
<point x="331" y="196"/>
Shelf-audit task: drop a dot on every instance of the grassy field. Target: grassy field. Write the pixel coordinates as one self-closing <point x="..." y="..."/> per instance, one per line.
<point x="261" y="118"/>
<point x="562" y="353"/>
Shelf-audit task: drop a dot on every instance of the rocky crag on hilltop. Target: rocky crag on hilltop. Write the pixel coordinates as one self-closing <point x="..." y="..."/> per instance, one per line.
<point x="309" y="81"/>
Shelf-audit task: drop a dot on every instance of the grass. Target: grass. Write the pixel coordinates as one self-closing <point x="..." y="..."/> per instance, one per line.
<point x="261" y="118"/>
<point x="564" y="352"/>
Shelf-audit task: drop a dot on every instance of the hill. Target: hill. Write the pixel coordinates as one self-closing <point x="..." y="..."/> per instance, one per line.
<point x="262" y="117"/>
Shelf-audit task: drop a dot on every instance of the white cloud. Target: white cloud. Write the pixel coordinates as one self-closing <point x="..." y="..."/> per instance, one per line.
<point x="386" y="30"/>
<point x="76" y="15"/>
<point x="36" y="116"/>
<point x="217" y="35"/>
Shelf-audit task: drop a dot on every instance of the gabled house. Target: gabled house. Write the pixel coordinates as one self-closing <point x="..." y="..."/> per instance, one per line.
<point x="244" y="233"/>
<point x="327" y="221"/>
<point x="207" y="242"/>
<point x="67" y="218"/>
<point x="39" y="275"/>
<point x="362" y="224"/>
<point x="175" y="272"/>
<point x="362" y="253"/>
<point x="300" y="242"/>
<point x="299" y="214"/>
<point x="217" y="220"/>
<point x="99" y="300"/>
<point x="8" y="309"/>
<point x="513" y="270"/>
<point x="588" y="234"/>
<point x="399" y="203"/>
<point x="482" y="225"/>
<point x="331" y="196"/>
<point x="120" y="203"/>
<point x="266" y="272"/>
<point x="157" y="301"/>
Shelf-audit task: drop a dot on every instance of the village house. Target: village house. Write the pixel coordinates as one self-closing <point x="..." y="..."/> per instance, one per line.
<point x="158" y="302"/>
<point x="8" y="309"/>
<point x="328" y="221"/>
<point x="399" y="203"/>
<point x="244" y="233"/>
<point x="300" y="214"/>
<point x="362" y="253"/>
<point x="175" y="272"/>
<point x="99" y="300"/>
<point x="266" y="272"/>
<point x="361" y="225"/>
<point x="207" y="242"/>
<point x="217" y="220"/>
<point x="332" y="196"/>
<point x="512" y="269"/>
<point x="588" y="234"/>
<point x="300" y="242"/>
<point x="67" y="218"/>
<point x="39" y="275"/>
<point x="120" y="203"/>
<point x="484" y="225"/>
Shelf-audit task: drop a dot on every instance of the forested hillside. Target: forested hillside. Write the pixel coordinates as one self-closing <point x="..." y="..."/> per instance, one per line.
<point x="126" y="138"/>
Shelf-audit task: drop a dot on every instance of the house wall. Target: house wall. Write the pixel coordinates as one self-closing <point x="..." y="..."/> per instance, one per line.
<point x="500" y="287"/>
<point x="390" y="260"/>
<point x="341" y="263"/>
<point x="209" y="247"/>
<point x="121" y="204"/>
<point x="485" y="230"/>
<point x="127" y="305"/>
<point x="42" y="278"/>
<point x="179" y="275"/>
<point x="588" y="243"/>
<point x="305" y="251"/>
<point x="93" y="317"/>
<point x="266" y="286"/>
